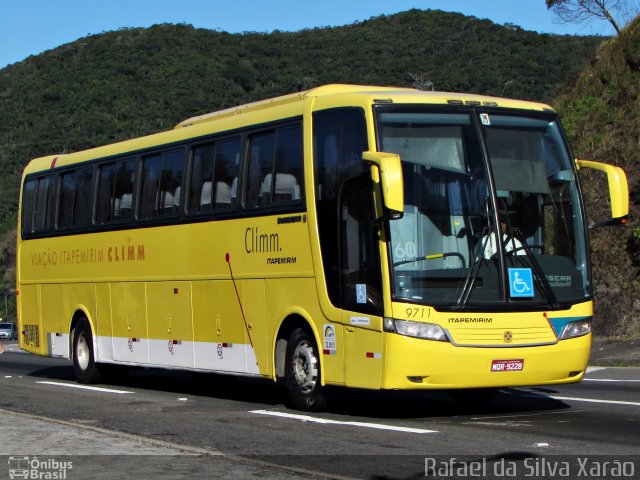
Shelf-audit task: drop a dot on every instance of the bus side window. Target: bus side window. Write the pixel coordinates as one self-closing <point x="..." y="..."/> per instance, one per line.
<point x="28" y="199"/>
<point x="161" y="179"/>
<point x="200" y="199"/>
<point x="260" y="165"/>
<point x="115" y="192"/>
<point x="45" y="203"/>
<point x="75" y="198"/>
<point x="275" y="167"/>
<point x="287" y="165"/>
<point x="214" y="176"/>
<point x="104" y="200"/>
<point x="225" y="174"/>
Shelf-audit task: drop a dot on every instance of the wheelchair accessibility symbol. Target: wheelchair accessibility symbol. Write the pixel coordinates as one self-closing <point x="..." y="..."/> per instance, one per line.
<point x="520" y="282"/>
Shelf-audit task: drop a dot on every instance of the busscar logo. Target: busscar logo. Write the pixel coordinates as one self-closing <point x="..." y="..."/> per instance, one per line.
<point x="292" y="219"/>
<point x="35" y="468"/>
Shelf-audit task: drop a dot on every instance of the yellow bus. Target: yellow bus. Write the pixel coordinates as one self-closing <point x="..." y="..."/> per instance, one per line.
<point x="369" y="237"/>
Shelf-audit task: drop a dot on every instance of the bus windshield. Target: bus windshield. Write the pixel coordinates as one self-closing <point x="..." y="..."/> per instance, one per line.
<point x="492" y="210"/>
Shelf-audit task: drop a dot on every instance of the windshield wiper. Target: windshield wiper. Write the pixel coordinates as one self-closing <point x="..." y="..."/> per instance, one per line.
<point x="473" y="270"/>
<point x="432" y="257"/>
<point x="543" y="282"/>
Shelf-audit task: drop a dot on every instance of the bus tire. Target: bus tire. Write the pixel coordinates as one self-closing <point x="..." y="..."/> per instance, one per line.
<point x="83" y="361"/>
<point x="302" y="372"/>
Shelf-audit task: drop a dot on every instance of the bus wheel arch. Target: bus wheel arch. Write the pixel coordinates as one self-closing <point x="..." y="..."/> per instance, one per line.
<point x="298" y="360"/>
<point x="287" y="326"/>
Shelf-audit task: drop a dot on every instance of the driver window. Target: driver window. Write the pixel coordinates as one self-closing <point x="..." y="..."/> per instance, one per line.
<point x="359" y="272"/>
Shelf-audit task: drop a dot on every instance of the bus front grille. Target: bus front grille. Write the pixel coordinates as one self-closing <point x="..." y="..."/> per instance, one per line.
<point x="502" y="337"/>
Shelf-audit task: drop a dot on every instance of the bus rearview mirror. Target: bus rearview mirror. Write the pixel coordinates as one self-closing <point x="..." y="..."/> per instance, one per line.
<point x="389" y="169"/>
<point x="618" y="191"/>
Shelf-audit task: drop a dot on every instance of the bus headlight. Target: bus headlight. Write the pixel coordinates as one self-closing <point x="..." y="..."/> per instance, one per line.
<point x="576" y="329"/>
<point x="429" y="331"/>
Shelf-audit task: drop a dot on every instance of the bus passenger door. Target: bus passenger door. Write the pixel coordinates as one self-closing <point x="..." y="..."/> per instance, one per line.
<point x="360" y="283"/>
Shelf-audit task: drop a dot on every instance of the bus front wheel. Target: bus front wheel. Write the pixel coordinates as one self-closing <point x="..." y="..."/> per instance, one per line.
<point x="83" y="361"/>
<point x="302" y="372"/>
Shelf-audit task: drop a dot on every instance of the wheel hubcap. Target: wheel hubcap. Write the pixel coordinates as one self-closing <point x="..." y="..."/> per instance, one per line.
<point x="305" y="367"/>
<point x="82" y="352"/>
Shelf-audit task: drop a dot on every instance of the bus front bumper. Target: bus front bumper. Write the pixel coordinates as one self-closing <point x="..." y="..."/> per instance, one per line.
<point x="412" y="363"/>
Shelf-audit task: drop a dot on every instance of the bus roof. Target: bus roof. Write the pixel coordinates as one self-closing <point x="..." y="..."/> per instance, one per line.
<point x="402" y="95"/>
<point x="290" y="105"/>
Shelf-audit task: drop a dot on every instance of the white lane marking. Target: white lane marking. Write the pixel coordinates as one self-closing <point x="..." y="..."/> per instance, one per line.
<point x="595" y="369"/>
<point x="597" y="400"/>
<point x="527" y="415"/>
<point x="587" y="400"/>
<point x="84" y="387"/>
<point x="308" y="418"/>
<point x="607" y="380"/>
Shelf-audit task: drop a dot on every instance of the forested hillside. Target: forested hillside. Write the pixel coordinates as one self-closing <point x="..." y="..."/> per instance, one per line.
<point x="601" y="112"/>
<point x="122" y="84"/>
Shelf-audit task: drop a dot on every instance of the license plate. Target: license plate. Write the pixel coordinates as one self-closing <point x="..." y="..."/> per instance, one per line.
<point x="516" y="365"/>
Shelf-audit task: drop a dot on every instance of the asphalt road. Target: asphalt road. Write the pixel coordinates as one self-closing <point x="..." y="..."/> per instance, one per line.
<point x="240" y="428"/>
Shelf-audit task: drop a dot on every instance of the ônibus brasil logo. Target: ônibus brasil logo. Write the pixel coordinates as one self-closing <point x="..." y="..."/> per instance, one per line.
<point x="35" y="468"/>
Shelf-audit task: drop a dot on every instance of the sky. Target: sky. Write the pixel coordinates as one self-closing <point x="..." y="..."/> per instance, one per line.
<point x="30" y="27"/>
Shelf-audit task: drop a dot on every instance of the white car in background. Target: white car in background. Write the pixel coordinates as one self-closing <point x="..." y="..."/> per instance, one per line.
<point x="8" y="331"/>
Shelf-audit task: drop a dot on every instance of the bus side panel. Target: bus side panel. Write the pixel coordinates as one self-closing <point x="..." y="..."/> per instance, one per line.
<point x="128" y="306"/>
<point x="55" y="326"/>
<point x="103" y="318"/>
<point x="219" y="330"/>
<point x="298" y="296"/>
<point x="30" y="321"/>
<point x="254" y="305"/>
<point x="71" y="298"/>
<point x="170" y="328"/>
<point x="363" y="357"/>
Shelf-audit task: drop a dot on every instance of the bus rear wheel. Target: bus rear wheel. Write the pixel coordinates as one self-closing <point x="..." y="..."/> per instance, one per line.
<point x="83" y="360"/>
<point x="302" y="372"/>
